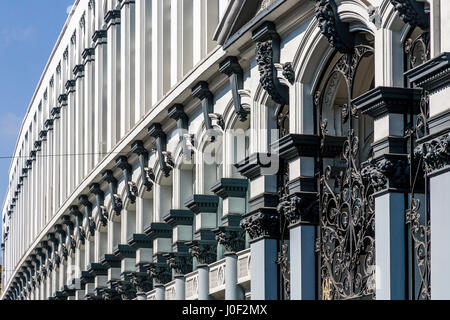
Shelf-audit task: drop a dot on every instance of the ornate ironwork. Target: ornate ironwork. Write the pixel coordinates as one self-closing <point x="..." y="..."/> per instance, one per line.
<point x="421" y="234"/>
<point x="348" y="230"/>
<point x="418" y="49"/>
<point x="347" y="205"/>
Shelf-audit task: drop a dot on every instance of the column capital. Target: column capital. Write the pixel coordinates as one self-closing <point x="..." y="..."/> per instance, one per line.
<point x="205" y="251"/>
<point x="180" y="262"/>
<point x="300" y="208"/>
<point x="435" y="152"/>
<point x="231" y="237"/>
<point x="264" y="223"/>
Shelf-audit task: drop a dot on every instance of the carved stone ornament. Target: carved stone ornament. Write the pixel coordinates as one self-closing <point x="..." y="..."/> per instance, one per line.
<point x="126" y="290"/>
<point x="267" y="54"/>
<point x="435" y="153"/>
<point x="139" y="149"/>
<point x="386" y="173"/>
<point x="232" y="238"/>
<point x="160" y="272"/>
<point x="142" y="282"/>
<point x="332" y="28"/>
<point x="180" y="262"/>
<point x="263" y="223"/>
<point x="412" y="12"/>
<point x="302" y="207"/>
<point x="203" y="250"/>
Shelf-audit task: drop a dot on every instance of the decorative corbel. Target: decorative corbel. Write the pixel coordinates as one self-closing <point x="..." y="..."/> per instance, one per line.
<point x="176" y="112"/>
<point x="43" y="135"/>
<point x="61" y="234"/>
<point x="412" y="12"/>
<point x="71" y="243"/>
<point x="116" y="201"/>
<point x="130" y="186"/>
<point x="101" y="219"/>
<point x="231" y="67"/>
<point x="47" y="266"/>
<point x="48" y="124"/>
<point x="201" y="92"/>
<point x="55" y="259"/>
<point x="165" y="158"/>
<point x="148" y="177"/>
<point x="267" y="55"/>
<point x="337" y="32"/>
<point x="79" y="232"/>
<point x="88" y="223"/>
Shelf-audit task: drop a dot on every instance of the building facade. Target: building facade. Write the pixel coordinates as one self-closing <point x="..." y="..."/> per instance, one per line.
<point x="214" y="149"/>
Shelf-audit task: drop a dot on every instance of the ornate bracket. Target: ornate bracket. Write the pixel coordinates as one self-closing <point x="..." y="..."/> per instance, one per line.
<point x="232" y="238"/>
<point x="142" y="282"/>
<point x="116" y="201"/>
<point x="176" y="112"/>
<point x="46" y="266"/>
<point x="412" y="12"/>
<point x="267" y="55"/>
<point x="146" y="173"/>
<point x="62" y="249"/>
<point x="435" y="153"/>
<point x="300" y="208"/>
<point x="55" y="259"/>
<point x="263" y="223"/>
<point x="387" y="172"/>
<point x="201" y="92"/>
<point x="71" y="243"/>
<point x="231" y="67"/>
<point x="88" y="223"/>
<point x="79" y="233"/>
<point x="160" y="272"/>
<point x="180" y="262"/>
<point x="205" y="251"/>
<point x="332" y="28"/>
<point x="101" y="219"/>
<point x="165" y="159"/>
<point x="130" y="186"/>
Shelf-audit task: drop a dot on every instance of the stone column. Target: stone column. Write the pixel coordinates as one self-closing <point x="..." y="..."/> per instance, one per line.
<point x="434" y="149"/>
<point x="388" y="174"/>
<point x="262" y="223"/>
<point x="141" y="279"/>
<point x="204" y="245"/>
<point x="179" y="260"/>
<point x="230" y="234"/>
<point x="161" y="235"/>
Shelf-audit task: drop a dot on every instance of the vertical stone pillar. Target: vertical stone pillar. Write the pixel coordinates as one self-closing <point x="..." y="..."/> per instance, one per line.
<point x="262" y="224"/>
<point x="204" y="245"/>
<point x="179" y="260"/>
<point x="388" y="174"/>
<point x="434" y="150"/>
<point x="161" y="235"/>
<point x="141" y="278"/>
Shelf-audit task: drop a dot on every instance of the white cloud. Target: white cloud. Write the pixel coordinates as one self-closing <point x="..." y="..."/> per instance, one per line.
<point x="10" y="124"/>
<point x="8" y="35"/>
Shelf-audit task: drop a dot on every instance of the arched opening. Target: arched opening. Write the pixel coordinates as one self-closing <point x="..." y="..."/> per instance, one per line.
<point x="346" y="227"/>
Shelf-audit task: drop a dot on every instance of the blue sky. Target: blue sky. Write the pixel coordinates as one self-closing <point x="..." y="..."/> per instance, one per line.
<point x="28" y="32"/>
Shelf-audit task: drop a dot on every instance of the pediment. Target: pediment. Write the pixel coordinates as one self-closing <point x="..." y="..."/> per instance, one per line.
<point x="240" y="16"/>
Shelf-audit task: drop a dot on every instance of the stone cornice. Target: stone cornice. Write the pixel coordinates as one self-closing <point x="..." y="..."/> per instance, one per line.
<point x="124" y="251"/>
<point x="381" y="101"/>
<point x="97" y="269"/>
<point x="110" y="261"/>
<point x="230" y="187"/>
<point x="179" y="218"/>
<point x="255" y="165"/>
<point x="199" y="203"/>
<point x="433" y="74"/>
<point x="139" y="241"/>
<point x="158" y="230"/>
